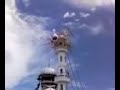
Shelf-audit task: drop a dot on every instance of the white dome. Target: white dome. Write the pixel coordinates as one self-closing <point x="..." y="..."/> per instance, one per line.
<point x="48" y="70"/>
<point x="49" y="89"/>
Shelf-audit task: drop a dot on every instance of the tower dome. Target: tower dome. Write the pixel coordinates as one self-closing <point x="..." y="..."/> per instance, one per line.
<point x="46" y="79"/>
<point x="48" y="70"/>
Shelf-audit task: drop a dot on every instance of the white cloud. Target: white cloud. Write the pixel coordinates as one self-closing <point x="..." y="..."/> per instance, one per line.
<point x="77" y="20"/>
<point x="93" y="9"/>
<point x="95" y="29"/>
<point x="91" y="3"/>
<point x="83" y="26"/>
<point x="68" y="23"/>
<point x="66" y="15"/>
<point x="84" y="15"/>
<point x="26" y="2"/>
<point x="69" y="15"/>
<point x="73" y="14"/>
<point x="21" y="40"/>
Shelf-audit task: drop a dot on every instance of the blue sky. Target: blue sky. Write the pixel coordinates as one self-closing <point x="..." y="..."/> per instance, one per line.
<point x="93" y="48"/>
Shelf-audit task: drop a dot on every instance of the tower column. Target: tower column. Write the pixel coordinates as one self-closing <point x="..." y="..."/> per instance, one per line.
<point x="62" y="78"/>
<point x="61" y="45"/>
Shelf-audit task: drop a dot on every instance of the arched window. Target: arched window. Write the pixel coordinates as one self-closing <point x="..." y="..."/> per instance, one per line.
<point x="61" y="87"/>
<point x="61" y="71"/>
<point x="60" y="43"/>
<point x="61" y="58"/>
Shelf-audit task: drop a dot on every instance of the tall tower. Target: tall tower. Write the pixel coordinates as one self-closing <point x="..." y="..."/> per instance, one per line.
<point x="61" y="45"/>
<point x="56" y="79"/>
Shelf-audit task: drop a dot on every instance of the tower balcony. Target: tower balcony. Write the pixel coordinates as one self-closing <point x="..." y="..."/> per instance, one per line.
<point x="62" y="78"/>
<point x="47" y="82"/>
<point x="62" y="48"/>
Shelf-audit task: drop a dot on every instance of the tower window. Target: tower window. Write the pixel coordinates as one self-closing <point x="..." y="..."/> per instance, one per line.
<point x="61" y="58"/>
<point x="61" y="71"/>
<point x="60" y="43"/>
<point x="61" y="87"/>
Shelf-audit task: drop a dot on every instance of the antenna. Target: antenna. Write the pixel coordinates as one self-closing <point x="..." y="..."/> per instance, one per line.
<point x="54" y="31"/>
<point x="49" y="63"/>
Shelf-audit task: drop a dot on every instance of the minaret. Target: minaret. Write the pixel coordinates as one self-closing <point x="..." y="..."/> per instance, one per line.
<point x="61" y="46"/>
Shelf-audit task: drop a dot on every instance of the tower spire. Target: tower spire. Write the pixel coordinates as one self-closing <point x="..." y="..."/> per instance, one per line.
<point x="49" y="63"/>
